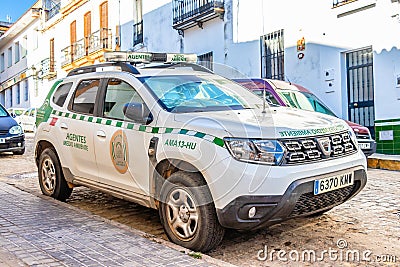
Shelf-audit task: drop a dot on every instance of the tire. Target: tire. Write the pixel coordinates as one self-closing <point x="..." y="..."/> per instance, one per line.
<point x="51" y="178"/>
<point x="185" y="222"/>
<point x="19" y="152"/>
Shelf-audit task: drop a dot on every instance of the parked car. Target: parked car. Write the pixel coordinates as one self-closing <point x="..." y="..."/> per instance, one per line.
<point x="16" y="112"/>
<point x="293" y="95"/>
<point x="173" y="136"/>
<point x="28" y="120"/>
<point x="12" y="138"/>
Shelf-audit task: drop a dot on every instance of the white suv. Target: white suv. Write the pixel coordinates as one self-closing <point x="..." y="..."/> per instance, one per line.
<point x="204" y="151"/>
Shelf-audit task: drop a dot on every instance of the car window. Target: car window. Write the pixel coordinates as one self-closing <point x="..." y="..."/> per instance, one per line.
<point x="85" y="96"/>
<point x="189" y="93"/>
<point x="118" y="94"/>
<point x="3" y="112"/>
<point x="61" y="93"/>
<point x="268" y="96"/>
<point x="306" y="101"/>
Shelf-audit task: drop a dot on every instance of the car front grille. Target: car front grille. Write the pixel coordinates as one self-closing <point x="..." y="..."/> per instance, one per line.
<point x="312" y="149"/>
<point x="308" y="202"/>
<point x="3" y="132"/>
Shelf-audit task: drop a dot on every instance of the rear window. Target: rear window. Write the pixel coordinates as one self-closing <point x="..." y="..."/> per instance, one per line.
<point x="61" y="93"/>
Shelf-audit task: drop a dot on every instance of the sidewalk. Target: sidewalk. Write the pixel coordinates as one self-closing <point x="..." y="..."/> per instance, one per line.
<point x="382" y="161"/>
<point x="39" y="231"/>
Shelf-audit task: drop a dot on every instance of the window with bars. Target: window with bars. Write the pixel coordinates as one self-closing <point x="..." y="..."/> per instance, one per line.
<point x="206" y="60"/>
<point x="272" y="55"/>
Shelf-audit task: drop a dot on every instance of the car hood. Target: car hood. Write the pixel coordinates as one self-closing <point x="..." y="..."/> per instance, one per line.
<point x="6" y="123"/>
<point x="277" y="122"/>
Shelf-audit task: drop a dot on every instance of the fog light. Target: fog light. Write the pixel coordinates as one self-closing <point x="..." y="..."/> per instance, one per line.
<point x="19" y="144"/>
<point x="252" y="212"/>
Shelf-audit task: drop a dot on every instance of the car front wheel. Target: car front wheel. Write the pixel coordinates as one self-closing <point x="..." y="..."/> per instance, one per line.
<point x="51" y="179"/>
<point x="188" y="213"/>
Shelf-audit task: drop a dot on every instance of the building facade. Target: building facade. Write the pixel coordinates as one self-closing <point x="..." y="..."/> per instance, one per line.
<point x="338" y="49"/>
<point x="55" y="36"/>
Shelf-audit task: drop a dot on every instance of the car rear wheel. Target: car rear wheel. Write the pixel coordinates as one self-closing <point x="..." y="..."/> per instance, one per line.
<point x="51" y="178"/>
<point x="188" y="213"/>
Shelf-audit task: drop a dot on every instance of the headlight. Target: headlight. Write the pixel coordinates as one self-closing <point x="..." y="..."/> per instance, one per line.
<point x="353" y="138"/>
<point x="257" y="151"/>
<point x="15" y="130"/>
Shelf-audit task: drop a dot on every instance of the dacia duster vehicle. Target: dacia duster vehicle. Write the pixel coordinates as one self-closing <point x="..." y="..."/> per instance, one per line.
<point x="203" y="150"/>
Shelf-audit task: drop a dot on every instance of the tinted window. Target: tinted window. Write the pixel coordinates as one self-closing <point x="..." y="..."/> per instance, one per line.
<point x="306" y="101"/>
<point x="195" y="94"/>
<point x="61" y="93"/>
<point x="3" y="112"/>
<point x="118" y="94"/>
<point x="85" y="96"/>
<point x="268" y="96"/>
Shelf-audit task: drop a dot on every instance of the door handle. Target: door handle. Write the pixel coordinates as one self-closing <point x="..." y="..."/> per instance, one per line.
<point x="63" y="126"/>
<point x="101" y="134"/>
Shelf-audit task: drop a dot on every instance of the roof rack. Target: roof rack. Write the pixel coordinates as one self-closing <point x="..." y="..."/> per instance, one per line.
<point x="144" y="57"/>
<point x="120" y="66"/>
<point x="126" y="61"/>
<point x="195" y="67"/>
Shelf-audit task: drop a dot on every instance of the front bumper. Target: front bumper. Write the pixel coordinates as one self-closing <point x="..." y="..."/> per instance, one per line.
<point x="298" y="200"/>
<point x="13" y="143"/>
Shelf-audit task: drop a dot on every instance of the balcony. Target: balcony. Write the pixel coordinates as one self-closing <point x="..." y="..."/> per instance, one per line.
<point x="337" y="3"/>
<point x="191" y="13"/>
<point x="138" y="33"/>
<point x="47" y="69"/>
<point x="87" y="50"/>
<point x="101" y="39"/>
<point x="53" y="10"/>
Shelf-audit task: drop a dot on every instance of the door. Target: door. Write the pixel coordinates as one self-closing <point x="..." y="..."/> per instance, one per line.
<point x="87" y="30"/>
<point x="122" y="150"/>
<point x="360" y="87"/>
<point x="77" y="130"/>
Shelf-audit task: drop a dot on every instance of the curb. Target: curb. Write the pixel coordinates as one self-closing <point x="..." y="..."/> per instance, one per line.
<point x="381" y="163"/>
<point x="204" y="257"/>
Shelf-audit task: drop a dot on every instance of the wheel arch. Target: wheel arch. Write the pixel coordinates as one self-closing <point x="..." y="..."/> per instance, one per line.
<point x="164" y="169"/>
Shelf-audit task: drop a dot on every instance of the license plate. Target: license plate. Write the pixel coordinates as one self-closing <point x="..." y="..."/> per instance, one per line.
<point x="332" y="183"/>
<point x="364" y="145"/>
<point x="2" y="140"/>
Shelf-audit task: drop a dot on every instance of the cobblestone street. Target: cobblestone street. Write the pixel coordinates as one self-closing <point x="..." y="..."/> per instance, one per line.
<point x="369" y="224"/>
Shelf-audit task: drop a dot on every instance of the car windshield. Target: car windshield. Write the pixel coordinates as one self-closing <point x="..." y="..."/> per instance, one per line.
<point x="3" y="112"/>
<point x="190" y="93"/>
<point x="305" y="101"/>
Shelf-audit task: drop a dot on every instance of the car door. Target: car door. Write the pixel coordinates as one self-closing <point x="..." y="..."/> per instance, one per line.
<point x="77" y="130"/>
<point x="122" y="150"/>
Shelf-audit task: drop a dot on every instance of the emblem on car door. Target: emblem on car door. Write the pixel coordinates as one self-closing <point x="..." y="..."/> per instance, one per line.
<point x="119" y="151"/>
<point x="325" y="145"/>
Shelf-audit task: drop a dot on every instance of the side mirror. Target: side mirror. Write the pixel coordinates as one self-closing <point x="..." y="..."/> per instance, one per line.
<point x="13" y="115"/>
<point x="138" y="112"/>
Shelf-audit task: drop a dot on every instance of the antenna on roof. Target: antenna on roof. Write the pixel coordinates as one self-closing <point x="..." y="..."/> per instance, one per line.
<point x="287" y="78"/>
<point x="264" y="98"/>
<point x="8" y="18"/>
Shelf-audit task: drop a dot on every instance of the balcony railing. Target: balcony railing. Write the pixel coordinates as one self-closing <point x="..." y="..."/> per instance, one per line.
<point x="54" y="10"/>
<point x="101" y="39"/>
<point x="66" y="56"/>
<point x="138" y="33"/>
<point x="79" y="50"/>
<point x="189" y="13"/>
<point x="47" y="68"/>
<point x="337" y="3"/>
